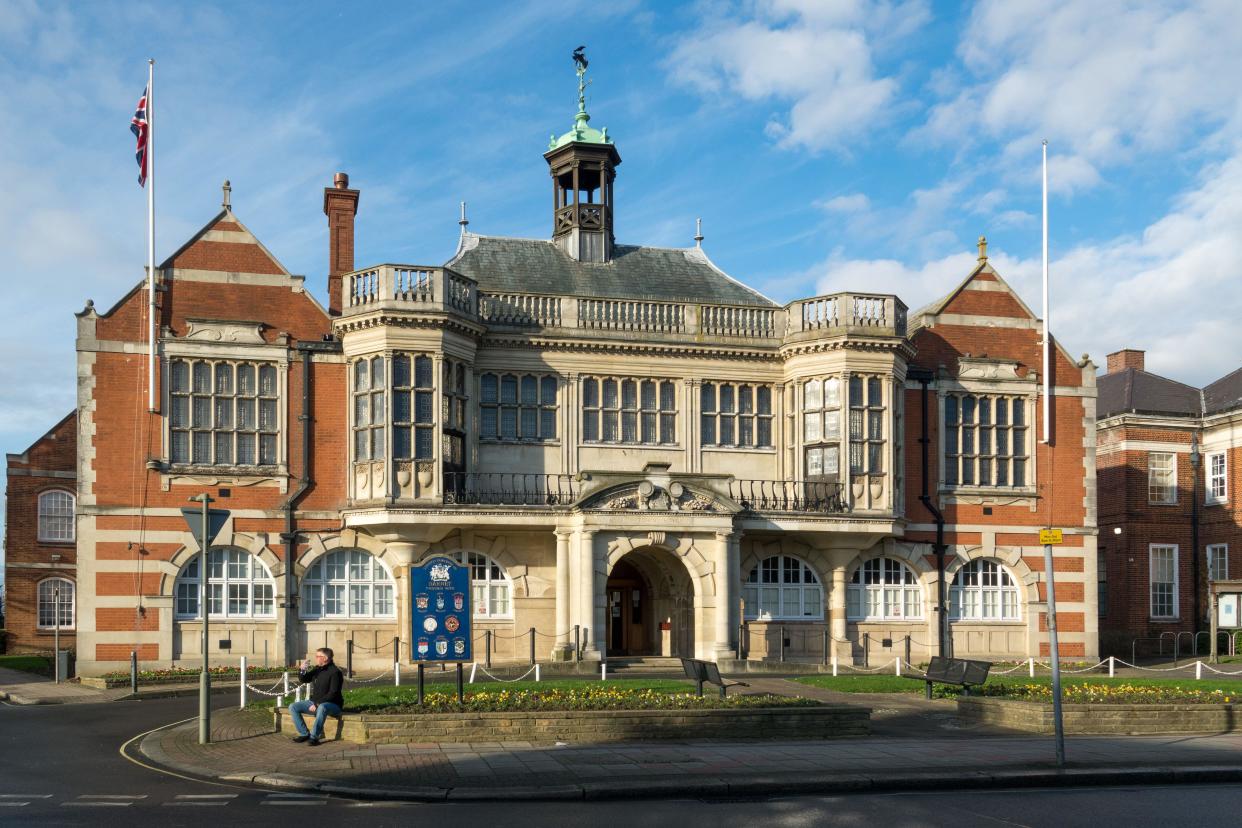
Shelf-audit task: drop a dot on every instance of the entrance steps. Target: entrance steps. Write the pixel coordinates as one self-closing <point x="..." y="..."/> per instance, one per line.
<point x="623" y="666"/>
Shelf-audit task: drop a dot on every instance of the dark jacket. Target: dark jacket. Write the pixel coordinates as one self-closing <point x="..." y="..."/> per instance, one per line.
<point x="325" y="683"/>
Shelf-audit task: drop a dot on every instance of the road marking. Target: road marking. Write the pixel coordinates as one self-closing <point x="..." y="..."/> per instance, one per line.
<point x="294" y="799"/>
<point x="105" y="800"/>
<point x="206" y="796"/>
<point x="202" y="800"/>
<point x="25" y="796"/>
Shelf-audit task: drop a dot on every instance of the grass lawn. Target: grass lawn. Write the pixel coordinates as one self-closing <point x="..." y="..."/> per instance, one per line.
<point x="40" y="665"/>
<point x="898" y="684"/>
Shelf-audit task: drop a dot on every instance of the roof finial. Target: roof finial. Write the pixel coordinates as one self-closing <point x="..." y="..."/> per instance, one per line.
<point x="698" y="232"/>
<point x="228" y="195"/>
<point x="983" y="249"/>
<point x="463" y="221"/>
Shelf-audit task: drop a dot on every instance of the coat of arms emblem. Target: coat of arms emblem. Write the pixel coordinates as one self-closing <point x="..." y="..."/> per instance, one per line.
<point x="422" y="647"/>
<point x="459" y="601"/>
<point x="459" y="646"/>
<point x="440" y="573"/>
<point x="441" y="646"/>
<point x="451" y="623"/>
<point x="421" y="601"/>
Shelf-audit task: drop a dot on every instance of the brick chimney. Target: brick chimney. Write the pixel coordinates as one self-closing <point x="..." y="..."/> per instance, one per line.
<point x="340" y="204"/>
<point x="1125" y="358"/>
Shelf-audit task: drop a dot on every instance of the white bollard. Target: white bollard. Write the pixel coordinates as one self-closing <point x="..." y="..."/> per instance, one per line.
<point x="603" y="671"/>
<point x="1198" y="670"/>
<point x="834" y="664"/>
<point x="1030" y="665"/>
<point x="280" y="702"/>
<point x="536" y="672"/>
<point x="396" y="673"/>
<point x="243" y="682"/>
<point x="897" y="664"/>
<point x="474" y="666"/>
<point x="1112" y="666"/>
<point x="286" y="690"/>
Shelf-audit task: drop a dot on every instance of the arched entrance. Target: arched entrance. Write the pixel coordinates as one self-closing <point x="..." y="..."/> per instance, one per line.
<point x="650" y="606"/>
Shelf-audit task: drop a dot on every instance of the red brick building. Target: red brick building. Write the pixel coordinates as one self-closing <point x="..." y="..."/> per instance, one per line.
<point x="632" y="451"/>
<point x="1168" y="456"/>
<point x="40" y="541"/>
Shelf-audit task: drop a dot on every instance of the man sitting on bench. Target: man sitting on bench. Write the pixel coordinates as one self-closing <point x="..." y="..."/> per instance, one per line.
<point x="325" y="699"/>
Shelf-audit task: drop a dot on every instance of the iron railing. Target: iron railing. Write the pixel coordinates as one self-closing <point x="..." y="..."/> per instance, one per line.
<point x="788" y="496"/>
<point x="508" y="489"/>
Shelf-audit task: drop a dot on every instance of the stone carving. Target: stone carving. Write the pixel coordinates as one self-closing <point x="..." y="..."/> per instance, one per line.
<point x="648" y="497"/>
<point x="216" y="330"/>
<point x="986" y="369"/>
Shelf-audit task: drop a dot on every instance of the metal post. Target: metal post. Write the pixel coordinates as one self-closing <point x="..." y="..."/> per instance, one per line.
<point x="396" y="673"/>
<point x="204" y="681"/>
<point x="265" y="654"/>
<point x="396" y="650"/>
<point x="349" y="658"/>
<point x="487" y="649"/>
<point x="1112" y="666"/>
<point x="577" y="643"/>
<point x="1214" y="650"/>
<point x="782" y="630"/>
<point x="532" y="645"/>
<point x="1055" y="653"/>
<point x="421" y="667"/>
<point x="827" y="636"/>
<point x="867" y="649"/>
<point x="243" y="683"/>
<point x="741" y="637"/>
<point x="56" y="633"/>
<point x="133" y="672"/>
<point x="461" y="690"/>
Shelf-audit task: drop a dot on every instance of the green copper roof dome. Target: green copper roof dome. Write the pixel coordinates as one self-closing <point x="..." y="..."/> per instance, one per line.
<point x="582" y="132"/>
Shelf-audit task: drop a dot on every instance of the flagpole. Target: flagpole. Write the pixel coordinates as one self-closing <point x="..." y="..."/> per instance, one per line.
<point x="150" y="159"/>
<point x="1047" y="378"/>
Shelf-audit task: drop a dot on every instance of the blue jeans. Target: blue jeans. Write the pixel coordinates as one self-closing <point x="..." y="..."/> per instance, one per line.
<point x="322" y="711"/>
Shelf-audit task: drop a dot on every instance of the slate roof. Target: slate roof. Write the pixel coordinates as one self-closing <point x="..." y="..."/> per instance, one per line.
<point x="1224" y="394"/>
<point x="1134" y="390"/>
<point x="505" y="265"/>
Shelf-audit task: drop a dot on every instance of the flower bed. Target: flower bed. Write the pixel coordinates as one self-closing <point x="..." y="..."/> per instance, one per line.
<point x="1093" y="709"/>
<point x="179" y="675"/>
<point x="559" y="699"/>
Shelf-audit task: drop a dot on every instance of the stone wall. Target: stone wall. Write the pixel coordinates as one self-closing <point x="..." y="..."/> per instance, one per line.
<point x="1102" y="719"/>
<point x="828" y="721"/>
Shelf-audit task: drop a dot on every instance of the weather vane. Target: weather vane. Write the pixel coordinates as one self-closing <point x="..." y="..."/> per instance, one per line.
<point x="580" y="66"/>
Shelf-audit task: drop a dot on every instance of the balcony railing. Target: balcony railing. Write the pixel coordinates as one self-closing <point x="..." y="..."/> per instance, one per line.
<point x="788" y="496"/>
<point x="508" y="489"/>
<point x="410" y="286"/>
<point x="849" y="312"/>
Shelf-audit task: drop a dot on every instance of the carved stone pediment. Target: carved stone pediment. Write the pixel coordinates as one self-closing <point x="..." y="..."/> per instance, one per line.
<point x="987" y="369"/>
<point x="648" y="497"/>
<point x="222" y="330"/>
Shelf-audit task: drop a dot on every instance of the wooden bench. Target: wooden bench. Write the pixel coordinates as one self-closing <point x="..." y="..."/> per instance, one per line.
<point x="962" y="672"/>
<point x="701" y="672"/>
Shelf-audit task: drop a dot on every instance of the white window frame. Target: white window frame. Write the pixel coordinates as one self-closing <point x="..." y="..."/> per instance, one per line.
<point x="960" y="458"/>
<point x="1216" y="468"/>
<point x="1154" y="486"/>
<point x="368" y="409"/>
<point x="822" y="426"/>
<point x="230" y="402"/>
<point x="763" y="579"/>
<point x="47" y="585"/>
<point x="1163" y="549"/>
<point x="187" y="588"/>
<point x="498" y="406"/>
<point x="971" y="603"/>
<point x="721" y="408"/>
<point x="51" y="517"/>
<point x="489" y="580"/>
<point x="1218" y="571"/>
<point x="884" y="589"/>
<point x="317" y="581"/>
<point x="648" y="416"/>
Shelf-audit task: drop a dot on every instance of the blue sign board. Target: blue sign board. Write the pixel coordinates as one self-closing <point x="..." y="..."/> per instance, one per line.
<point x="440" y="611"/>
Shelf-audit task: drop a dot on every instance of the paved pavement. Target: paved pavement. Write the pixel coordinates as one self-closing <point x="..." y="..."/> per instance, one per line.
<point x="919" y="745"/>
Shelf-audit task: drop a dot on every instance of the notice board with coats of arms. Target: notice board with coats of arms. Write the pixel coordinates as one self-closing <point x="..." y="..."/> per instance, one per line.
<point x="440" y="611"/>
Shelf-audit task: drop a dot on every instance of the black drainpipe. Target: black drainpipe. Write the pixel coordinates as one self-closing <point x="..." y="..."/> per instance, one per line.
<point x="290" y="535"/>
<point x="924" y="377"/>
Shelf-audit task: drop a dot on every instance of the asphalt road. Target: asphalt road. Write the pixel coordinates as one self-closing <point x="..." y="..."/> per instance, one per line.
<point x="61" y="765"/>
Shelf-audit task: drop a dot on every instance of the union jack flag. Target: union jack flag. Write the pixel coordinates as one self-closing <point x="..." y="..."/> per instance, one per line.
<point x="140" y="126"/>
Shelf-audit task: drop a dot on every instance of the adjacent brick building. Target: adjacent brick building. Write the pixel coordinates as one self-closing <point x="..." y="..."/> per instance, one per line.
<point x="631" y="450"/>
<point x="1168" y="456"/>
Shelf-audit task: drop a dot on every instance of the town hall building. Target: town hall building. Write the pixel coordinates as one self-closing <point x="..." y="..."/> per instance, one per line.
<point x="634" y="452"/>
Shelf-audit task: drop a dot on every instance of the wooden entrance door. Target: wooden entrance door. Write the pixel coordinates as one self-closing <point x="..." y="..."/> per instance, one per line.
<point x="627" y="608"/>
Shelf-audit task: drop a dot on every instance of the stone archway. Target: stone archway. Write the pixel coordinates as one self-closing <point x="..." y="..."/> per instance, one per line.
<point x="649" y="605"/>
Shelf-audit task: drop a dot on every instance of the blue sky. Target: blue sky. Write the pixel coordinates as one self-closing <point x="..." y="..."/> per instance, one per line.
<point x="826" y="145"/>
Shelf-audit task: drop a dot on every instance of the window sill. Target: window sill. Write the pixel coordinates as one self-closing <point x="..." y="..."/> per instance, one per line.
<point x="994" y="621"/>
<point x="790" y="620"/>
<point x="72" y="542"/>
<point x="740" y="449"/>
<point x="334" y="619"/>
<point x="999" y="491"/>
<point x="647" y="446"/>
<point x="1162" y="503"/>
<point x="231" y="471"/>
<point x="497" y="441"/>
<point x="906" y="620"/>
<point x="51" y="631"/>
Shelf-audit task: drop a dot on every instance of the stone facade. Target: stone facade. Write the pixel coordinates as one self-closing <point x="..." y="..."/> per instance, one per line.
<point x="624" y="442"/>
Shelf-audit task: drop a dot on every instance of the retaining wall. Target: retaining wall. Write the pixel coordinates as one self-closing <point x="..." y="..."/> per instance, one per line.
<point x="1102" y="719"/>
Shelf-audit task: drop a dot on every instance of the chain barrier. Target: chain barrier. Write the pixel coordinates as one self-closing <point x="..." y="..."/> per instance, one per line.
<point x="1153" y="669"/>
<point x="370" y="680"/>
<point x="485" y="672"/>
<point x="376" y="648"/>
<point x="1010" y="670"/>
<point x="567" y="634"/>
<point x="1222" y="672"/>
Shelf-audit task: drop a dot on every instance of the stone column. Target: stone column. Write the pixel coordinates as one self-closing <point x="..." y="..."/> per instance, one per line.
<point x="590" y="615"/>
<point x="399" y="555"/>
<point x="836" y="611"/>
<point x="563" y="644"/>
<point x="726" y="567"/>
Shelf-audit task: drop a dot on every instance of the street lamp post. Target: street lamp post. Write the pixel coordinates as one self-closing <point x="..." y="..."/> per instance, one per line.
<point x="1194" y="530"/>
<point x="205" y="524"/>
<point x="56" y="629"/>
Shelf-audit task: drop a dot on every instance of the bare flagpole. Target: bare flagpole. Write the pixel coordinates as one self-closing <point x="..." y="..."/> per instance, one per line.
<point x="1047" y="360"/>
<point x="150" y="159"/>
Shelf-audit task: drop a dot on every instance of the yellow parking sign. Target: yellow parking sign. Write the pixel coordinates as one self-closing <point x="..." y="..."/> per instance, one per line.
<point x="1050" y="537"/>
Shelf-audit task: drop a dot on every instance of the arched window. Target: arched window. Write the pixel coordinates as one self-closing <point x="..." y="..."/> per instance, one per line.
<point x="883" y="589"/>
<point x="348" y="584"/>
<point x="983" y="590"/>
<point x="53" y="603"/>
<point x="781" y="587"/>
<point x="56" y="516"/>
<point x="491" y="592"/>
<point x="238" y="586"/>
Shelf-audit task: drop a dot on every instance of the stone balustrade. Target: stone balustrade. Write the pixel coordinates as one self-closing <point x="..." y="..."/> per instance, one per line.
<point x="393" y="287"/>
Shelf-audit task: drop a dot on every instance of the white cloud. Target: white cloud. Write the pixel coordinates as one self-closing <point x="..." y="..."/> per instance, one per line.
<point x="1102" y="81"/>
<point x="1171" y="290"/>
<point x="817" y="56"/>
<point x="853" y="203"/>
